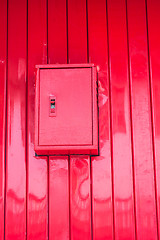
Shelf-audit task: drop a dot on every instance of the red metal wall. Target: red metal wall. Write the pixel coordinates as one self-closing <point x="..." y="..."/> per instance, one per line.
<point x="115" y="195"/>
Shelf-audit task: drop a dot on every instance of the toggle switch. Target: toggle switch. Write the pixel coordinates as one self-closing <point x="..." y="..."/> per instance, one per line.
<point x="52" y="106"/>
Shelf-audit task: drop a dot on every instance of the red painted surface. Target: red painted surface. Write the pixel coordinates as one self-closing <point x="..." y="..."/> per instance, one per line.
<point x="77" y="53"/>
<point x="37" y="170"/>
<point x="154" y="50"/>
<point x="58" y="168"/>
<point x="77" y="31"/>
<point x="3" y="65"/>
<point x="153" y="22"/>
<point x="102" y="205"/>
<point x="121" y="122"/>
<point x="58" y="198"/>
<point x="15" y="205"/>
<point x="80" y="205"/>
<point x="145" y="202"/>
<point x="115" y="195"/>
<point x="72" y="126"/>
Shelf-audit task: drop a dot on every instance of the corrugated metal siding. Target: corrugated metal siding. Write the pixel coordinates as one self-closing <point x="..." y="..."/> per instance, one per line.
<point x="115" y="195"/>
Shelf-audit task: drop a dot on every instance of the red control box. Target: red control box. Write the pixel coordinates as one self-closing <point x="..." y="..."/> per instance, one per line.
<point x="66" y="118"/>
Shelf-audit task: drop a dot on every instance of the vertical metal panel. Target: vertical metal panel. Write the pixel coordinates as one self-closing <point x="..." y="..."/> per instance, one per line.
<point x="58" y="166"/>
<point x="101" y="166"/>
<point x="80" y="203"/>
<point x="121" y="124"/>
<point x="58" y="198"/>
<point x="57" y="31"/>
<point x="80" y="218"/>
<point x="15" y="220"/>
<point x="77" y="31"/>
<point x="3" y="64"/>
<point x="153" y="9"/>
<point x="141" y="119"/>
<point x="37" y="189"/>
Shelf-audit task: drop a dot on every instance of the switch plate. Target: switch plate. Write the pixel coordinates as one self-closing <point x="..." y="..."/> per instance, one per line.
<point x="66" y="118"/>
<point x="52" y="106"/>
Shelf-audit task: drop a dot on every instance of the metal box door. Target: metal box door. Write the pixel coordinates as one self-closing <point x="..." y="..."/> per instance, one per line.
<point x="66" y="109"/>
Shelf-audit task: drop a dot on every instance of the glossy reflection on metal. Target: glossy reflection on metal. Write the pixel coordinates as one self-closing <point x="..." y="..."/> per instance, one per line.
<point x="101" y="166"/>
<point x="15" y="208"/>
<point x="59" y="216"/>
<point x="58" y="198"/>
<point x="80" y="209"/>
<point x="115" y="195"/>
<point x="153" y="9"/>
<point x="121" y="122"/>
<point x="37" y="171"/>
<point x="3" y="62"/>
<point x="141" y="122"/>
<point x="80" y="202"/>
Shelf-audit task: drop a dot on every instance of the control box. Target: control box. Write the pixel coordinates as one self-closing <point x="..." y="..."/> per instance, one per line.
<point x="66" y="116"/>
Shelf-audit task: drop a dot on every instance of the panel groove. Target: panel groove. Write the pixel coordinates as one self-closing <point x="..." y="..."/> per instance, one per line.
<point x="27" y="122"/>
